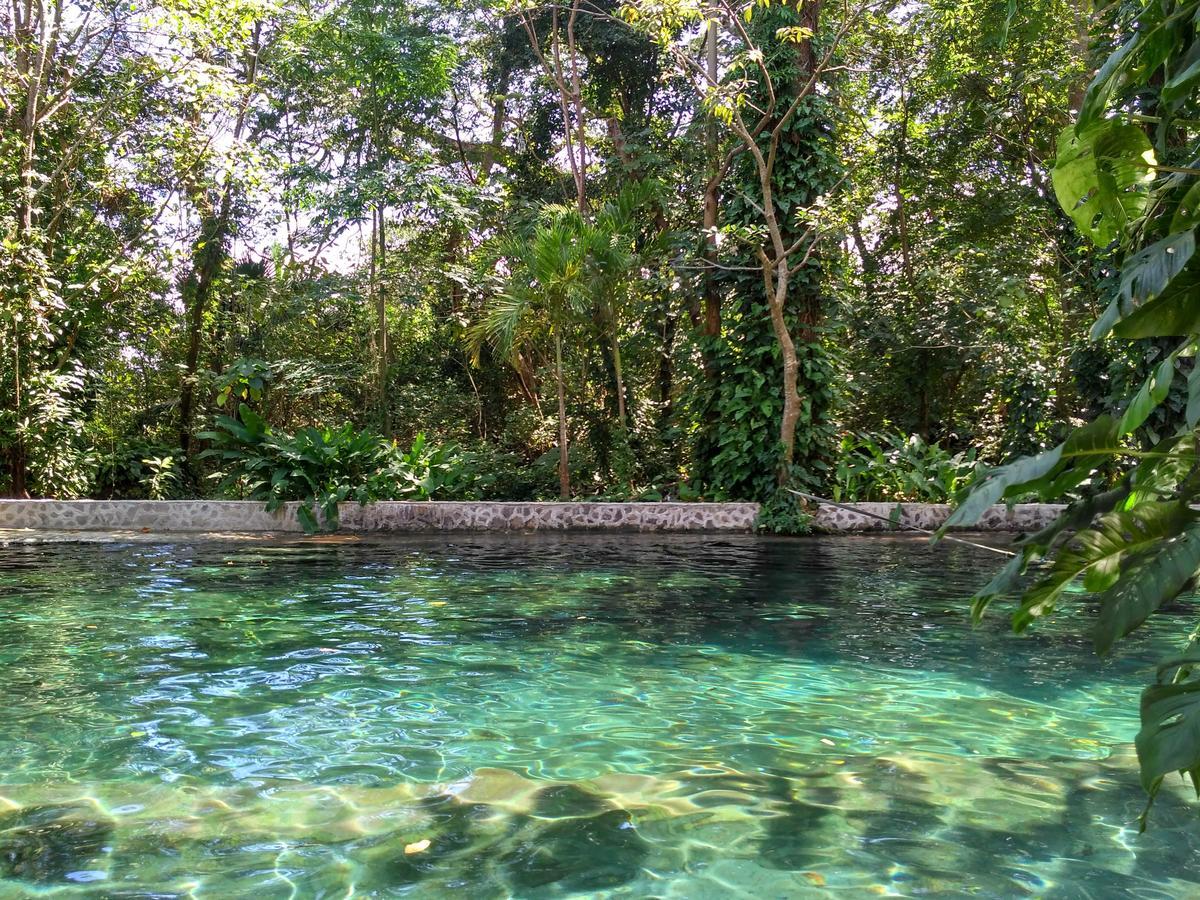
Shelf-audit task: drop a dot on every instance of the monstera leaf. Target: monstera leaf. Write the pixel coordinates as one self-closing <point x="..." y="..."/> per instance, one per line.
<point x="1051" y="472"/>
<point x="1152" y="393"/>
<point x="1169" y="740"/>
<point x="1155" y="577"/>
<point x="1100" y="177"/>
<point x="1096" y="554"/>
<point x="1174" y="312"/>
<point x="1148" y="272"/>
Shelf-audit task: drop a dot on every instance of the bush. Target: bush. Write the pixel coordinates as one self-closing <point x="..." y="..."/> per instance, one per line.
<point x="137" y="470"/>
<point x="891" y="467"/>
<point x="321" y="467"/>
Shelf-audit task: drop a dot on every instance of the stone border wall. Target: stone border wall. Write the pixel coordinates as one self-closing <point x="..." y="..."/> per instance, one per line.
<point x="930" y="516"/>
<point x="250" y="516"/>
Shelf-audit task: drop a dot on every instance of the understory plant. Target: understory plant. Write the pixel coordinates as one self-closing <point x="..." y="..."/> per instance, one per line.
<point x="887" y="466"/>
<point x="321" y="467"/>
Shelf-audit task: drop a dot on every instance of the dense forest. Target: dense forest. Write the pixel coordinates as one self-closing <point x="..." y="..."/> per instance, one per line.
<point x="814" y="243"/>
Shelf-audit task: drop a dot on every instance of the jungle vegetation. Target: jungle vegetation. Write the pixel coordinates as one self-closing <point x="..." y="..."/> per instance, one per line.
<point x="600" y="249"/>
<point x="355" y="249"/>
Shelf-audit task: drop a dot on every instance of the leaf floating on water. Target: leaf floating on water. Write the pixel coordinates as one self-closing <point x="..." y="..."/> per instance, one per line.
<point x="417" y="847"/>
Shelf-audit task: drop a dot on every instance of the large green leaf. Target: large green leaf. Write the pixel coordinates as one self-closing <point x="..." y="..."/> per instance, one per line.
<point x="1100" y="177"/>
<point x="1187" y="213"/>
<point x="1085" y="448"/>
<point x="1111" y="74"/>
<point x="1173" y="313"/>
<point x="1152" y="393"/>
<point x="1193" y="402"/>
<point x="1156" y="577"/>
<point x="1148" y="272"/>
<point x="1031" y="547"/>
<point x="1186" y="78"/>
<point x="1026" y="470"/>
<point x="1169" y="740"/>
<point x="1095" y="554"/>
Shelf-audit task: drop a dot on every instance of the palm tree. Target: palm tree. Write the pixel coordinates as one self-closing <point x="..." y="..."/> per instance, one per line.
<point x="545" y="293"/>
<point x="569" y="265"/>
<point x="613" y="254"/>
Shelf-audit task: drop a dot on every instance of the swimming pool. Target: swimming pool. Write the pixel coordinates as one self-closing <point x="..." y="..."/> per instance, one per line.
<point x="542" y="716"/>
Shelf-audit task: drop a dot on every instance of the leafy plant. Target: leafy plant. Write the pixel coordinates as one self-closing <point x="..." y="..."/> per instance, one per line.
<point x="783" y="514"/>
<point x="322" y="467"/>
<point x="1127" y="175"/>
<point x="888" y="466"/>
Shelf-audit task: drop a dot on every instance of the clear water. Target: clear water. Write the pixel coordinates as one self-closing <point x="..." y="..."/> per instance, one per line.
<point x="549" y="717"/>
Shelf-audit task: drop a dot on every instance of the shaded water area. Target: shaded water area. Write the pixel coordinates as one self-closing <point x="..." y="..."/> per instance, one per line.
<point x="562" y="716"/>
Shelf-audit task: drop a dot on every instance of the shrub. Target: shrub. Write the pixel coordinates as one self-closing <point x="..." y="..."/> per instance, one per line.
<point x="891" y="467"/>
<point x="321" y="467"/>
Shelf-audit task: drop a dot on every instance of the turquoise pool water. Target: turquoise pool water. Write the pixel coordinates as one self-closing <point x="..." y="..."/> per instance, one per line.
<point x="561" y="717"/>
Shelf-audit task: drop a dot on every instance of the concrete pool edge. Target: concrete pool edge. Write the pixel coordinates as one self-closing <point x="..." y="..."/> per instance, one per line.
<point x="246" y="516"/>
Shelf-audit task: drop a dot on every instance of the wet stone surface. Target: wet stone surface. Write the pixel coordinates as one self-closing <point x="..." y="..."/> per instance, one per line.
<point x="52" y="842"/>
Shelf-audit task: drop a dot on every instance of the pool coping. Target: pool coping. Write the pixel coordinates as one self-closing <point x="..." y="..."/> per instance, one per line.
<point x="251" y="517"/>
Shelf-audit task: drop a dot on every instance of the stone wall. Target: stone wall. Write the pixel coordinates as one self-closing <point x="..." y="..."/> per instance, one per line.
<point x="250" y="516"/>
<point x="930" y="516"/>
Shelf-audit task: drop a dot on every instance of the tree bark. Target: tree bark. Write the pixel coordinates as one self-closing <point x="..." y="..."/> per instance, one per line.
<point x="619" y="377"/>
<point x="381" y="322"/>
<point x="712" y="299"/>
<point x="208" y="256"/>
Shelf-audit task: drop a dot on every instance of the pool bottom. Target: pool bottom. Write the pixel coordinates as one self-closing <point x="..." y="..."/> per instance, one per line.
<point x="562" y="718"/>
<point x="930" y="825"/>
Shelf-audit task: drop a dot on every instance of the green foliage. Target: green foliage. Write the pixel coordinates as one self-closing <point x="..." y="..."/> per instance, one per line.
<point x="1100" y="176"/>
<point x="784" y="513"/>
<point x="1135" y="546"/>
<point x="322" y="467"/>
<point x="137" y="470"/>
<point x="890" y="467"/>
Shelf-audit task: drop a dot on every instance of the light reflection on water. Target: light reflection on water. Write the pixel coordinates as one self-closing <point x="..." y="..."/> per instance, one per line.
<point x="583" y="716"/>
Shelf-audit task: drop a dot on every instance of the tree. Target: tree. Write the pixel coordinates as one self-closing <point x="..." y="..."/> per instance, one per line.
<point x="772" y="74"/>
<point x="570" y="266"/>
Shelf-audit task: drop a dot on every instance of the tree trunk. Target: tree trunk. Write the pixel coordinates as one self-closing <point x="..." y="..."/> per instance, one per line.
<point x="381" y="323"/>
<point x="618" y="375"/>
<point x="712" y="299"/>
<point x="777" y="298"/>
<point x="31" y="65"/>
<point x="666" y="364"/>
<point x="17" y="462"/>
<point x="208" y="256"/>
<point x="564" y="471"/>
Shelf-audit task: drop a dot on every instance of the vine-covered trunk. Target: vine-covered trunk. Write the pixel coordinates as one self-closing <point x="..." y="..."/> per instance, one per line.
<point x="207" y="260"/>
<point x="790" y="416"/>
<point x="208" y="255"/>
<point x="17" y="463"/>
<point x="378" y="260"/>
